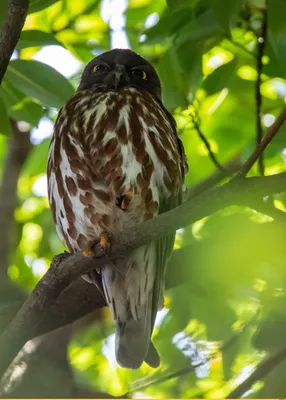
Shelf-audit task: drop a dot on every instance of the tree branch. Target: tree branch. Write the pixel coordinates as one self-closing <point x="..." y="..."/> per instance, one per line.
<point x="258" y="97"/>
<point x="264" y="143"/>
<point x="260" y="372"/>
<point x="11" y="31"/>
<point x="66" y="268"/>
<point x="206" y="143"/>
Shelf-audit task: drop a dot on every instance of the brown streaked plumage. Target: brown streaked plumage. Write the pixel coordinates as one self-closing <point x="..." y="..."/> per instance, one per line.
<point x="115" y="160"/>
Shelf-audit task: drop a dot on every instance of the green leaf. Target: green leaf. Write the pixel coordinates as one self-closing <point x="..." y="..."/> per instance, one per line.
<point x="5" y="126"/>
<point x="272" y="325"/>
<point x="277" y="29"/>
<point x="37" y="161"/>
<point x="34" y="38"/>
<point x="226" y="12"/>
<point x="274" y="68"/>
<point x="190" y="59"/>
<point x="40" y="81"/>
<point x="219" y="78"/>
<point x="3" y="11"/>
<point x="169" y="24"/>
<point x="19" y="106"/>
<point x="215" y="314"/>
<point x="172" y="76"/>
<point x="233" y="349"/>
<point x="38" y="5"/>
<point x="202" y="27"/>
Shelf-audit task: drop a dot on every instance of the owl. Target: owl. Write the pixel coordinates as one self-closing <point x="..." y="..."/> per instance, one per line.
<point x="116" y="160"/>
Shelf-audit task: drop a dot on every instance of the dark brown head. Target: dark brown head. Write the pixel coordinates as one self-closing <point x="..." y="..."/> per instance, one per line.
<point x="120" y="68"/>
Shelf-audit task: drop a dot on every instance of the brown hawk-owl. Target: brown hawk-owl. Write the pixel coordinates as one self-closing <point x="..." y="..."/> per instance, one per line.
<point x="116" y="160"/>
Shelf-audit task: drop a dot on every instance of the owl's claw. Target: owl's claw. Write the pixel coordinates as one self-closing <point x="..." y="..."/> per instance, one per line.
<point x="125" y="200"/>
<point x="87" y="253"/>
<point x="105" y="243"/>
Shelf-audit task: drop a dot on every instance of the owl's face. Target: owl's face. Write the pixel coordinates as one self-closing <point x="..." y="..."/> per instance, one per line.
<point x="120" y="68"/>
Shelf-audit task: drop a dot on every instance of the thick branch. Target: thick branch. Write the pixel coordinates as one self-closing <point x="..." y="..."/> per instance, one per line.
<point x="18" y="149"/>
<point x="11" y="31"/>
<point x="66" y="268"/>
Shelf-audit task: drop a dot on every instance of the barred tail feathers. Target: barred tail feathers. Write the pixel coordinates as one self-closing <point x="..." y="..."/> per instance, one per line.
<point x="128" y="288"/>
<point x="133" y="340"/>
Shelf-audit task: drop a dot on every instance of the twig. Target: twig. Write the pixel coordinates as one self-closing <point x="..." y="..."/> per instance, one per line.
<point x="193" y="114"/>
<point x="258" y="97"/>
<point x="208" y="146"/>
<point x="264" y="143"/>
<point x="66" y="268"/>
<point x="11" y="31"/>
<point x="260" y="372"/>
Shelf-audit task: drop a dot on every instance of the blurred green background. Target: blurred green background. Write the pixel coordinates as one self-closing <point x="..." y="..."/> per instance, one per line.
<point x="230" y="312"/>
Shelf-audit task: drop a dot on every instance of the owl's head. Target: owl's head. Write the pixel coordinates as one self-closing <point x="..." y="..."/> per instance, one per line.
<point x="120" y="68"/>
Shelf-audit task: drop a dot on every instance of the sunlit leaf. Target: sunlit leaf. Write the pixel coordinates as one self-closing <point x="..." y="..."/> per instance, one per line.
<point x="219" y="78"/>
<point x="33" y="38"/>
<point x="39" y="81"/>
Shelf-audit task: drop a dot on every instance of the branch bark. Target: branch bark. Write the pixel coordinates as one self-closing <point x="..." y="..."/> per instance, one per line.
<point x="11" y="31"/>
<point x="65" y="268"/>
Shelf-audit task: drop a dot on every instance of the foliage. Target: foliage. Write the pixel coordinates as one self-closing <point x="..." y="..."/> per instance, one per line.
<point x="231" y="309"/>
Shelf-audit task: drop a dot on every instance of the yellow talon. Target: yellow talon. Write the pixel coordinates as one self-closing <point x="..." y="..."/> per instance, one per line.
<point x="126" y="199"/>
<point x="105" y="243"/>
<point x="87" y="253"/>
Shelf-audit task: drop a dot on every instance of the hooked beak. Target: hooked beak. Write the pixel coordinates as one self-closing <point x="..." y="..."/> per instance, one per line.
<point x="119" y="76"/>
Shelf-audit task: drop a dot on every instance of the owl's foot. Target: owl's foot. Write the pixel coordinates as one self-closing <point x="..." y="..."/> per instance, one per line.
<point x="105" y="243"/>
<point x="88" y="252"/>
<point x="125" y="200"/>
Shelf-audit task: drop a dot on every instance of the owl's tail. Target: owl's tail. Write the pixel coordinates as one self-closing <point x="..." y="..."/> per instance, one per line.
<point x="133" y="341"/>
<point x="129" y="288"/>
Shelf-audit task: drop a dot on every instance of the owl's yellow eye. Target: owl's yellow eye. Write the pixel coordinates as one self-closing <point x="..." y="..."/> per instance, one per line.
<point x="98" y="67"/>
<point x="139" y="72"/>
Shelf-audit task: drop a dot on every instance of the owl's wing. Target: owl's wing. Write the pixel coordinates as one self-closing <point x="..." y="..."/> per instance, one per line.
<point x="164" y="246"/>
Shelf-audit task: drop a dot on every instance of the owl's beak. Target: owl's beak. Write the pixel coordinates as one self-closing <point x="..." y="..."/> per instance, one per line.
<point x="120" y="76"/>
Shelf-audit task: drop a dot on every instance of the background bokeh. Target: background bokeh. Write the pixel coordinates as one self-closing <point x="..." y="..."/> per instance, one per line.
<point x="230" y="312"/>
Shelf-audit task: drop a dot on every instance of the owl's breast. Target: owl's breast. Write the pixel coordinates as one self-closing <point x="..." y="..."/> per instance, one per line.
<point x="107" y="145"/>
